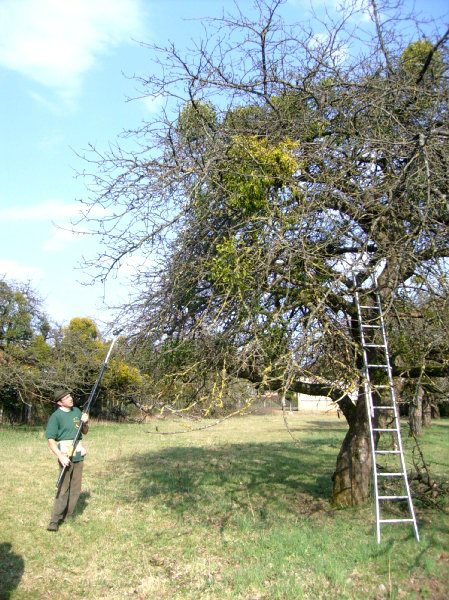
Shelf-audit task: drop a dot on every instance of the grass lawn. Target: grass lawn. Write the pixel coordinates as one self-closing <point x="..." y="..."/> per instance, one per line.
<point x="237" y="511"/>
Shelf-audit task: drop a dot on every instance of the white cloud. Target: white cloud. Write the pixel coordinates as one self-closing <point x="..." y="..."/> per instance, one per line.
<point x="153" y="104"/>
<point x="339" y="51"/>
<point x="12" y="270"/>
<point x="52" y="140"/>
<point x="53" y="106"/>
<point x="61" y="237"/>
<point x="59" y="217"/>
<point x="54" y="42"/>
<point x="358" y="8"/>
<point x="49" y="210"/>
<point x="134" y="264"/>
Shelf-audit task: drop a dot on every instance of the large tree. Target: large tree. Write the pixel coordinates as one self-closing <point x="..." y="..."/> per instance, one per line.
<point x="290" y="164"/>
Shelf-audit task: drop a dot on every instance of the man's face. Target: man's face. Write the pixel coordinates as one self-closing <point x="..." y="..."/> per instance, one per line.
<point x="66" y="401"/>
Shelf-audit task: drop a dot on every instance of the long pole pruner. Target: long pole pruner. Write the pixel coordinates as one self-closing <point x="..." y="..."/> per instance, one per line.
<point x="86" y="408"/>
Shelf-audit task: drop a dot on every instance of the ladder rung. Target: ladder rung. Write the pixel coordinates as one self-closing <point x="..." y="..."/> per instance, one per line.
<point x="374" y="346"/>
<point x="367" y="306"/>
<point x="387" y="451"/>
<point x="380" y="387"/>
<point x="378" y="366"/>
<point x="391" y="429"/>
<point x="392" y="498"/>
<point x="384" y="407"/>
<point x="390" y="474"/>
<point x="396" y="520"/>
<point x="370" y="326"/>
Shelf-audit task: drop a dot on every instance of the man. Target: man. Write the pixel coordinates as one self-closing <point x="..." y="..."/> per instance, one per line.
<point x="61" y="430"/>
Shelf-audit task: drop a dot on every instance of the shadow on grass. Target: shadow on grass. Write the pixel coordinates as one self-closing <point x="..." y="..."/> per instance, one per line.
<point x="11" y="570"/>
<point x="82" y="503"/>
<point x="262" y="478"/>
<point x="330" y="426"/>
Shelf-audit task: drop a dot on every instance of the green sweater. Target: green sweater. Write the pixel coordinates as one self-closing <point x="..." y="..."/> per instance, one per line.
<point x="63" y="425"/>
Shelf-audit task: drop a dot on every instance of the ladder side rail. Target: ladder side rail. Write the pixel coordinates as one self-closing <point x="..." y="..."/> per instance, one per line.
<point x="396" y="417"/>
<point x="392" y="392"/>
<point x="366" y="379"/>
<point x="387" y="354"/>
<point x="370" y="415"/>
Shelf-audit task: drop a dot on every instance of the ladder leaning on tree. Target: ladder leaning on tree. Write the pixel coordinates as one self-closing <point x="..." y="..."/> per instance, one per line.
<point x="388" y="464"/>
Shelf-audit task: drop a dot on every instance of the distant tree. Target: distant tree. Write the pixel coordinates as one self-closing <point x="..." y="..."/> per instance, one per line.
<point x="79" y="354"/>
<point x="24" y="351"/>
<point x="36" y="358"/>
<point x="296" y="164"/>
<point x="21" y="315"/>
<point x="419" y="340"/>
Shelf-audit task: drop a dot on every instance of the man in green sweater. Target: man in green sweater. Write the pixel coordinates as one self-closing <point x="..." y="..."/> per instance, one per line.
<point x="61" y="430"/>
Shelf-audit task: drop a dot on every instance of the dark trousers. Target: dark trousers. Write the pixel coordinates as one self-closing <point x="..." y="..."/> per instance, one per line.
<point x="69" y="492"/>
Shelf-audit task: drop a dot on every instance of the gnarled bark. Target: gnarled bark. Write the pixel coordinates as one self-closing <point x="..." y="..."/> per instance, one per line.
<point x="427" y="410"/>
<point x="353" y="474"/>
<point x="415" y="417"/>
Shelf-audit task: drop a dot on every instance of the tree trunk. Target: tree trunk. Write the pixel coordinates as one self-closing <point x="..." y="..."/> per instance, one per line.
<point x="415" y="418"/>
<point x="427" y="410"/>
<point x="398" y="387"/>
<point x="353" y="473"/>
<point x="435" y="410"/>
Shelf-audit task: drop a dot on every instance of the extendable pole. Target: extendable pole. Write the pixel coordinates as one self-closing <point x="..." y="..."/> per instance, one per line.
<point x="86" y="408"/>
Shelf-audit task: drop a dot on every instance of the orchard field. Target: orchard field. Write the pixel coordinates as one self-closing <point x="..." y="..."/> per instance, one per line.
<point x="239" y="510"/>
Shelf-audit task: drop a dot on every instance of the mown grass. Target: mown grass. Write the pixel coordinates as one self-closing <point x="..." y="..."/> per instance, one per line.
<point x="237" y="511"/>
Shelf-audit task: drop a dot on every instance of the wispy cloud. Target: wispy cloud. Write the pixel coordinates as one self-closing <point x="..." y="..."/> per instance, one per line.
<point x="60" y="237"/>
<point x="14" y="271"/>
<point x="59" y="217"/>
<point x="359" y="8"/>
<point x="153" y="104"/>
<point x="338" y="52"/>
<point x="49" y="210"/>
<point x="55" y="42"/>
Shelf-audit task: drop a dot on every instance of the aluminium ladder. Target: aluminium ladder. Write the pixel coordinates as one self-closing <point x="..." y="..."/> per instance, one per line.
<point x="383" y="418"/>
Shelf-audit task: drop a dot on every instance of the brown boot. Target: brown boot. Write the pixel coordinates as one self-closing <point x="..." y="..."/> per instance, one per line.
<point x="52" y="527"/>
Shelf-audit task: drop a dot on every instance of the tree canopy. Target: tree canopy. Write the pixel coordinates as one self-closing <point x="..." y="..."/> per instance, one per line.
<point x="287" y="168"/>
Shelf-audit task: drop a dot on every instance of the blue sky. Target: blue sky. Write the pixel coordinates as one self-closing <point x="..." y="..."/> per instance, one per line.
<point x="65" y="69"/>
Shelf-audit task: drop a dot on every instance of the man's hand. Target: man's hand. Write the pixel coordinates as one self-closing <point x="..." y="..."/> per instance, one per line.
<point x="64" y="460"/>
<point x="84" y="422"/>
